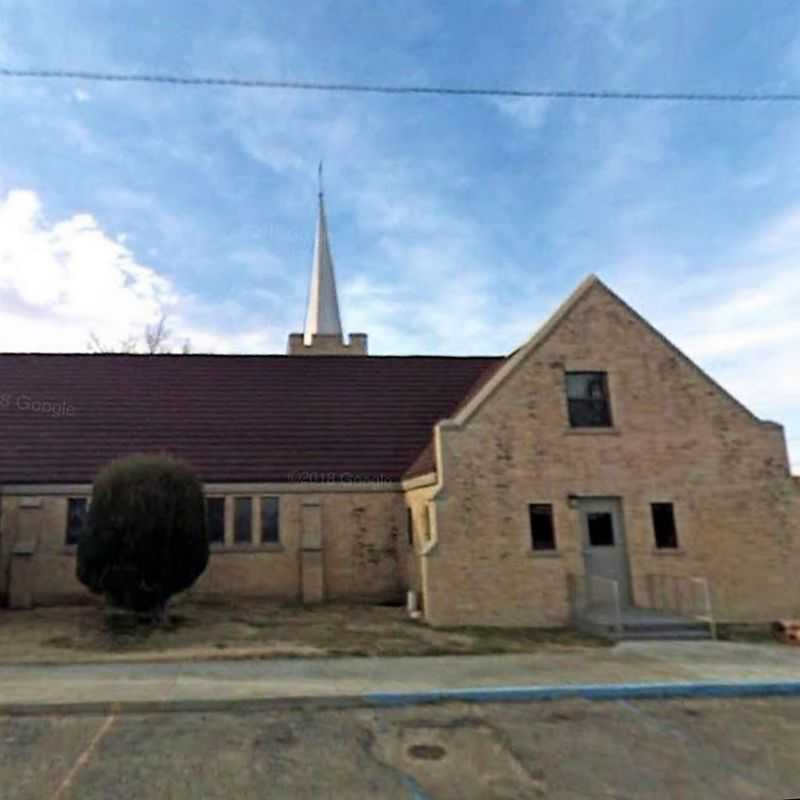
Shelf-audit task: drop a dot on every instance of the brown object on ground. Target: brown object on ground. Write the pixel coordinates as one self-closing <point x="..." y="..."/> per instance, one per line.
<point x="787" y="631"/>
<point x="202" y="630"/>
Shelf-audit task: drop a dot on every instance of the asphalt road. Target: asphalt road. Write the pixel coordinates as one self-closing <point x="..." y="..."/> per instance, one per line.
<point x="655" y="749"/>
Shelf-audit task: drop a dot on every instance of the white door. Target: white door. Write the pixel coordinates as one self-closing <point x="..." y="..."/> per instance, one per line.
<point x="604" y="550"/>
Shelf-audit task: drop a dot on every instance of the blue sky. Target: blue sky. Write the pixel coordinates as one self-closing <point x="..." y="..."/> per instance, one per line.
<point x="457" y="225"/>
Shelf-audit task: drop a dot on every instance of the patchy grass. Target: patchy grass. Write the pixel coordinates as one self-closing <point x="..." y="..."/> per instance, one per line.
<point x="203" y="629"/>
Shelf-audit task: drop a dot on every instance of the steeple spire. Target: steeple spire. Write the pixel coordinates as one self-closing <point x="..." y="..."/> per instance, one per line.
<point x="322" y="316"/>
<point x="322" y="334"/>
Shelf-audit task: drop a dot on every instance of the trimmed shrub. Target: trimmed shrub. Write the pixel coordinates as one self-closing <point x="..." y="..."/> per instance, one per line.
<point x="145" y="537"/>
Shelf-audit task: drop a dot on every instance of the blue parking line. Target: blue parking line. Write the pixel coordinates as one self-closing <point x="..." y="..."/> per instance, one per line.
<point x="614" y="691"/>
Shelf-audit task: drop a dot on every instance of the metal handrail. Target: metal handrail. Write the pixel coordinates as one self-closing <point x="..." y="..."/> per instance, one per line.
<point x="709" y="615"/>
<point x="706" y="613"/>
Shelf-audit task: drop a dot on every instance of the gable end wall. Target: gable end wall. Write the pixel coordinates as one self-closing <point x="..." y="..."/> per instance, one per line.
<point x="676" y="438"/>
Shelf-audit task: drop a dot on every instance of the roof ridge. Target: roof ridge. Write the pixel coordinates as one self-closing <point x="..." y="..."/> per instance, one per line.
<point x="280" y="356"/>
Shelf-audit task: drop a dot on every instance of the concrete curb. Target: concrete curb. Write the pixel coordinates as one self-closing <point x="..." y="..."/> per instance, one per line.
<point x="239" y="705"/>
<point x="500" y="694"/>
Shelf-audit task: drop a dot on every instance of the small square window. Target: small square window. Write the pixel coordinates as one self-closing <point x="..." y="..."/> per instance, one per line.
<point x="270" y="520"/>
<point x="601" y="529"/>
<point x="587" y="398"/>
<point x="410" y="526"/>
<point x="215" y="519"/>
<point x="243" y="520"/>
<point x="77" y="508"/>
<point x="543" y="534"/>
<point x="664" y="526"/>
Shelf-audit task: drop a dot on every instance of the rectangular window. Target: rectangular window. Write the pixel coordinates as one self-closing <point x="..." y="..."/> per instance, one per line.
<point x="270" y="520"/>
<point x="601" y="529"/>
<point x="587" y="397"/>
<point x="664" y="526"/>
<point x="243" y="520"/>
<point x="215" y="519"/>
<point x="543" y="534"/>
<point x="410" y="526"/>
<point x="77" y="508"/>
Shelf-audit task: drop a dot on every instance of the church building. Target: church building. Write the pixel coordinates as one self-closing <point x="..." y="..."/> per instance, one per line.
<point x="596" y="463"/>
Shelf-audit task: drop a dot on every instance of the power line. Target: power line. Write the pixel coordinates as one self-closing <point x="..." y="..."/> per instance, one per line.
<point x="364" y="88"/>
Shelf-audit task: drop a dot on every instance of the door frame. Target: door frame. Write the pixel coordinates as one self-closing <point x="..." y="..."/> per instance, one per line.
<point x="615" y="507"/>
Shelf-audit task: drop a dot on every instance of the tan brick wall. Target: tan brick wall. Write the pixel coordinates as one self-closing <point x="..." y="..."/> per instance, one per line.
<point x="267" y="571"/>
<point x="54" y="564"/>
<point x="361" y="535"/>
<point x="362" y="540"/>
<point x="677" y="438"/>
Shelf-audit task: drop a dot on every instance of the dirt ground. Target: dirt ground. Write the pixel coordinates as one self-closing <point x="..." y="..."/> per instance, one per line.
<point x="698" y="749"/>
<point x="74" y="634"/>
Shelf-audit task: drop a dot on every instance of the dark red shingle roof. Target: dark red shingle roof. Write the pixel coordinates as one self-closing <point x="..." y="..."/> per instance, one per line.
<point x="235" y="418"/>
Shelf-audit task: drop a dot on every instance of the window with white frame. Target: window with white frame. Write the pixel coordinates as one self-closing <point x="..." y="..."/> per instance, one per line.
<point x="270" y="520"/>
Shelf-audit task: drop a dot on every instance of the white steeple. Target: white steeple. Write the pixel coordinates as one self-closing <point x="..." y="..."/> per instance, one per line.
<point x="323" y="329"/>
<point x="322" y="316"/>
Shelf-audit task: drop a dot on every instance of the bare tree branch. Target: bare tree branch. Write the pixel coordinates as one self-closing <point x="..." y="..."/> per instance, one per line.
<point x="95" y="345"/>
<point x="156" y="336"/>
<point x="156" y="339"/>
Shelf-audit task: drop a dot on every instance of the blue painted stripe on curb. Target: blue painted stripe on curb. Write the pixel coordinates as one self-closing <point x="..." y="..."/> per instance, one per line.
<point x="612" y="691"/>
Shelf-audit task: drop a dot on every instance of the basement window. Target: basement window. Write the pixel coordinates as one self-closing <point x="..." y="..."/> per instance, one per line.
<point x="664" y="526"/>
<point x="270" y="520"/>
<point x="215" y="519"/>
<point x="587" y="399"/>
<point x="243" y="520"/>
<point x="543" y="534"/>
<point x="77" y="508"/>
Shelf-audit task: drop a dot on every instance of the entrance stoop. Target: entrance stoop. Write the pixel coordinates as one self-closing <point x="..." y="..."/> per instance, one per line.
<point x="641" y="624"/>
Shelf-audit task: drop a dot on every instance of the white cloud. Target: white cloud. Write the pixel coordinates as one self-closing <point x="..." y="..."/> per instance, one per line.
<point x="619" y="23"/>
<point x="528" y="113"/>
<point x="757" y="178"/>
<point x="781" y="235"/>
<point x="73" y="270"/>
<point x="259" y="262"/>
<point x="61" y="281"/>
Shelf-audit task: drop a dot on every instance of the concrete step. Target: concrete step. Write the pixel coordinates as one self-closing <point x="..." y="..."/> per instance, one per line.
<point x="650" y="630"/>
<point x="676" y="635"/>
<point x="672" y="627"/>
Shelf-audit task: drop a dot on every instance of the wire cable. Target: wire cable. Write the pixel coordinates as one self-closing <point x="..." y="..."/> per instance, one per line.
<point x="541" y="94"/>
